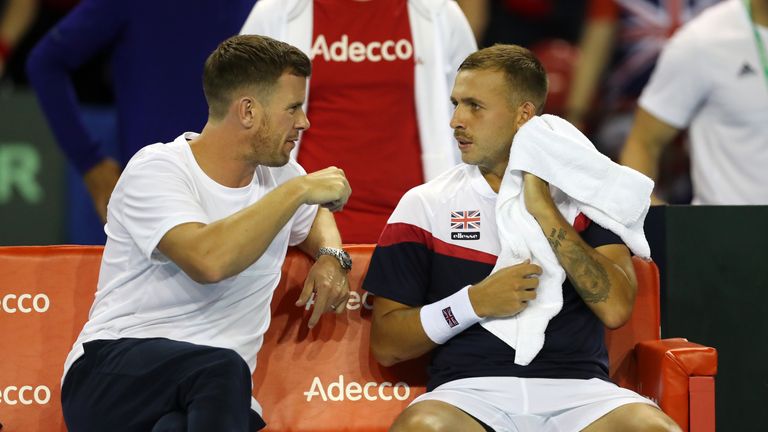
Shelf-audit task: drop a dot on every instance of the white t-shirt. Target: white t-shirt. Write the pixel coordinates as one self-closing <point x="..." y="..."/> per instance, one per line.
<point x="142" y="294"/>
<point x="709" y="78"/>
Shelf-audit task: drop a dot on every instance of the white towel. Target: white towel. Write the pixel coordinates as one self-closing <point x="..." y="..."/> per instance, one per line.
<point x="582" y="180"/>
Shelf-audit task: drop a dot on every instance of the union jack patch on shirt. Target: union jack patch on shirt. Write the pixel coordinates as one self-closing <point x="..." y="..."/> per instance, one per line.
<point x="468" y="219"/>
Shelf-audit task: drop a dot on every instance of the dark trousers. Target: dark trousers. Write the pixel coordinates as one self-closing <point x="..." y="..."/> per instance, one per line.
<point x="156" y="385"/>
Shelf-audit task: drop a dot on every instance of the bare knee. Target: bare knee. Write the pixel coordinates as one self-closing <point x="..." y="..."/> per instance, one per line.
<point x="434" y="416"/>
<point x="420" y="417"/>
<point x="636" y="417"/>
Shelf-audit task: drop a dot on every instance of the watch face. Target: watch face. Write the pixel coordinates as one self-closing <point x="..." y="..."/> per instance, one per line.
<point x="346" y="260"/>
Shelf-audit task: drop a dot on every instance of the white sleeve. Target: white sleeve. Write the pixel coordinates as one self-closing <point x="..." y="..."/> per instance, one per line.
<point x="678" y="85"/>
<point x="154" y="196"/>
<point x="461" y="40"/>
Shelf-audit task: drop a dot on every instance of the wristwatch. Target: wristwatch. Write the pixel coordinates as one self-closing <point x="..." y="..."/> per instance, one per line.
<point x="340" y="254"/>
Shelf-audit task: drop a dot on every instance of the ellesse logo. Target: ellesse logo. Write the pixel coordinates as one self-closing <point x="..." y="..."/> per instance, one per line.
<point x="356" y="51"/>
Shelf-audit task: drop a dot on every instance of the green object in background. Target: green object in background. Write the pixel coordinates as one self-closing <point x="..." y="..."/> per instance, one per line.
<point x="32" y="186"/>
<point x="19" y="173"/>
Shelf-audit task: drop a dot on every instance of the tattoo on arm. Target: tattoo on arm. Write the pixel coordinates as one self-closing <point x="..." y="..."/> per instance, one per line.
<point x="588" y="276"/>
<point x="555" y="237"/>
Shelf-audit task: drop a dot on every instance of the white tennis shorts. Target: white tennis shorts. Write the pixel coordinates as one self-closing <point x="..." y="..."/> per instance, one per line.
<point x="510" y="404"/>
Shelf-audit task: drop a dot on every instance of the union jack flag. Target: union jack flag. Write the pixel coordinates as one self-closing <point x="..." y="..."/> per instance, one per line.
<point x="644" y="28"/>
<point x="468" y="219"/>
<point x="449" y="317"/>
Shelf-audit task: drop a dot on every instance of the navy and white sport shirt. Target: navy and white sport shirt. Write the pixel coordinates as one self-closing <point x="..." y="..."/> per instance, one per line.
<point x="441" y="237"/>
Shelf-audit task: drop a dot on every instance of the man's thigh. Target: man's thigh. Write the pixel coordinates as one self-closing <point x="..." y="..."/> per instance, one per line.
<point x="129" y="384"/>
<point x="533" y="404"/>
<point x="434" y="415"/>
<point x="634" y="417"/>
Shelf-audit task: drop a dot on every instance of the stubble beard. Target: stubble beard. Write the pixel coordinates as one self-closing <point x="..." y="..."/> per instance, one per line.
<point x="268" y="147"/>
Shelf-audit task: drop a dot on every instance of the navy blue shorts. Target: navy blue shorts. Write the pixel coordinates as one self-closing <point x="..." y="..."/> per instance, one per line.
<point x="158" y="384"/>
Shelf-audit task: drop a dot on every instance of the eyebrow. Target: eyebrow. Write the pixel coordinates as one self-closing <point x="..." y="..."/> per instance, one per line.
<point x="466" y="100"/>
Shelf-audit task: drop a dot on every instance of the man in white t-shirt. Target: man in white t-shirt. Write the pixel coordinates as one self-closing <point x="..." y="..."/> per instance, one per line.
<point x="712" y="79"/>
<point x="197" y="232"/>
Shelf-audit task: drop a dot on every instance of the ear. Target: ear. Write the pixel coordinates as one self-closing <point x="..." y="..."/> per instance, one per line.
<point x="525" y="112"/>
<point x="249" y="111"/>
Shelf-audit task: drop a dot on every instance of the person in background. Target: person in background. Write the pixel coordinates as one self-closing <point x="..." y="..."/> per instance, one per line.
<point x="378" y="96"/>
<point x="22" y="24"/>
<point x="16" y="17"/>
<point x="711" y="80"/>
<point x="621" y="42"/>
<point x="156" y="51"/>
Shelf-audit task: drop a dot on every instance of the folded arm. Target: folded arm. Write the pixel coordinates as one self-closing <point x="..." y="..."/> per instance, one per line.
<point x="209" y="253"/>
<point x="398" y="333"/>
<point x="212" y="252"/>
<point x="604" y="277"/>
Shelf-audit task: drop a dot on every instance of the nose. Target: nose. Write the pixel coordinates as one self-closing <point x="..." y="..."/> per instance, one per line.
<point x="303" y="121"/>
<point x="457" y="121"/>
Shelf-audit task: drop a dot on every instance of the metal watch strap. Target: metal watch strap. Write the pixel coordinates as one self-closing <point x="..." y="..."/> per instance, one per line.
<point x="340" y="254"/>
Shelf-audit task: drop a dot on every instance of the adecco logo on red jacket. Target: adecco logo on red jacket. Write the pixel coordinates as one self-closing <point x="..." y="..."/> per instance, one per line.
<point x="25" y="303"/>
<point x="356" y="52"/>
<point x="337" y="391"/>
<point x="25" y="395"/>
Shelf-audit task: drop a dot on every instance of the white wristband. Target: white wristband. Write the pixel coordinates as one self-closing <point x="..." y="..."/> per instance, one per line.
<point x="448" y="317"/>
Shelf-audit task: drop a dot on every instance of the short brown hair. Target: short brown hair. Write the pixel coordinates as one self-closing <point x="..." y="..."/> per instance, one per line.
<point x="248" y="60"/>
<point x="525" y="74"/>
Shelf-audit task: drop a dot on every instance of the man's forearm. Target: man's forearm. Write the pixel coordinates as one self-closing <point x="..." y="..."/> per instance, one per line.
<point x="397" y="335"/>
<point x="213" y="252"/>
<point x="601" y="283"/>
<point x="323" y="233"/>
<point x="646" y="142"/>
<point x="595" y="46"/>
